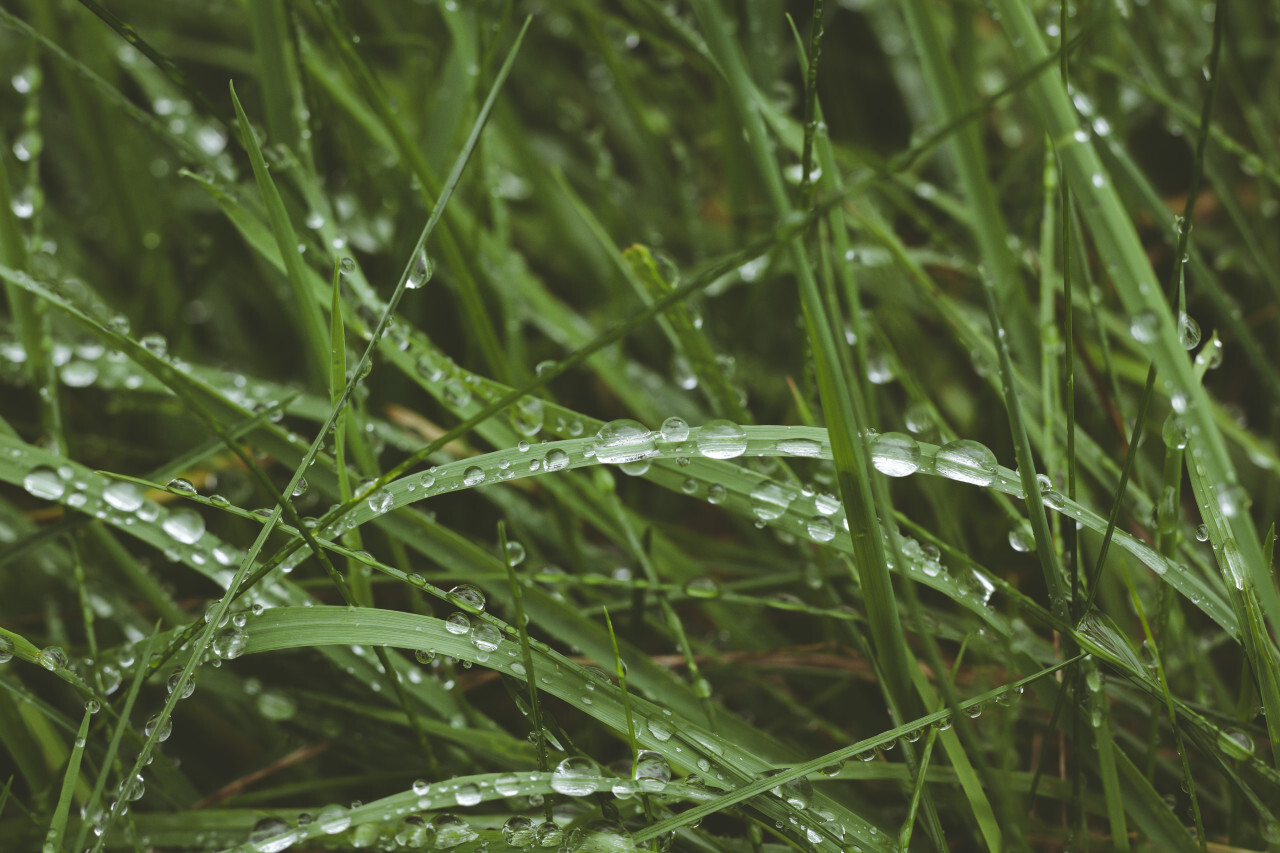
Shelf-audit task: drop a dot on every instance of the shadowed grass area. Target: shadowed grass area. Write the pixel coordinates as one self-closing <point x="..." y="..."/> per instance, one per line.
<point x="701" y="427"/>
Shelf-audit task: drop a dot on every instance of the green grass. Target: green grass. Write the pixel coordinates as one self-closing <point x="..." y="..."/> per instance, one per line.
<point x="471" y="426"/>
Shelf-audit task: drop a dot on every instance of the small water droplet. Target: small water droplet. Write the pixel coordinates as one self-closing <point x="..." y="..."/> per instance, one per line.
<point x="182" y="486"/>
<point x="556" y="460"/>
<point x="457" y="623"/>
<point x="421" y="272"/>
<point x="674" y="430"/>
<point x="1188" y="331"/>
<point x="574" y="777"/>
<point x="473" y="476"/>
<point x="1145" y="327"/>
<point x="468" y="597"/>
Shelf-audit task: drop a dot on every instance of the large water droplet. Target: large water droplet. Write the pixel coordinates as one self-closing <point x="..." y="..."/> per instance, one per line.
<point x="43" y="482"/>
<point x="556" y="459"/>
<point x="486" y="637"/>
<point x="821" y="528"/>
<point x="895" y="454"/>
<point x="53" y="658"/>
<point x="770" y="500"/>
<point x="574" y="777"/>
<point x="967" y="462"/>
<point x="182" y="486"/>
<point x="271" y="835"/>
<point x="414" y="833"/>
<point x="473" y="476"/>
<point x="674" y="430"/>
<point x="230" y="643"/>
<point x="161" y="728"/>
<point x="623" y="441"/>
<point x="333" y="819"/>
<point x="806" y="447"/>
<point x="527" y="416"/>
<point x="6" y="650"/>
<point x="122" y="495"/>
<point x="184" y="525"/>
<point x="722" y="439"/>
<point x="518" y="831"/>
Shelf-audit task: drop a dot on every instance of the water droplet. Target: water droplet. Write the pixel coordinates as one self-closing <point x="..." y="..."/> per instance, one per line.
<point x="674" y="430"/>
<point x="722" y="439"/>
<point x="424" y="656"/>
<point x="549" y="835"/>
<point x="574" y="777"/>
<point x="1236" y="744"/>
<point x="1202" y="533"/>
<point x="53" y="658"/>
<point x="1021" y="539"/>
<point x="300" y="488"/>
<point x="467" y="794"/>
<point x="122" y="495"/>
<point x="381" y="500"/>
<point x="623" y="441"/>
<point x="43" y="482"/>
<point x="6" y="650"/>
<point x="967" y="462"/>
<point x="161" y="728"/>
<point x="1211" y="355"/>
<point x="1174" y="433"/>
<point x="652" y="766"/>
<point x="660" y="730"/>
<point x="821" y="528"/>
<point x="421" y="272"/>
<point x="185" y="525"/>
<point x="473" y="476"/>
<point x="271" y="835"/>
<point x="716" y="493"/>
<point x="1188" y="331"/>
<point x="895" y="454"/>
<point x="486" y="637"/>
<point x="702" y="588"/>
<point x="770" y="500"/>
<point x="515" y="553"/>
<point x="1233" y="500"/>
<point x="1145" y="326"/>
<point x="455" y="393"/>
<point x="333" y="819"/>
<point x="414" y="833"/>
<point x="528" y="416"/>
<point x="556" y="460"/>
<point x="182" y="486"/>
<point x="797" y="792"/>
<point x="518" y="831"/>
<point x="804" y="447"/>
<point x="467" y="597"/>
<point x="457" y="623"/>
<point x="230" y="643"/>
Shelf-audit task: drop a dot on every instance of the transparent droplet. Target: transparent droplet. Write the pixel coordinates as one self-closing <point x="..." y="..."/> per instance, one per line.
<point x="623" y="441"/>
<point x="486" y="637"/>
<point x="769" y="500"/>
<point x="381" y="500"/>
<point x="300" y="488"/>
<point x="556" y="459"/>
<point x="161" y="728"/>
<point x="1174" y="432"/>
<point x="528" y="416"/>
<point x="53" y="658"/>
<point x="182" y="486"/>
<point x="421" y="272"/>
<point x="123" y="495"/>
<point x="722" y="439"/>
<point x="895" y="454"/>
<point x="967" y="462"/>
<point x="1236" y="744"/>
<point x="574" y="777"/>
<point x="804" y="447"/>
<point x="674" y="430"/>
<point x="1233" y="500"/>
<point x="1202" y="533"/>
<point x="43" y="482"/>
<point x="230" y="643"/>
<point x="184" y="525"/>
<point x="457" y="623"/>
<point x="414" y="833"/>
<point x="702" y="588"/>
<point x="271" y="835"/>
<point x="518" y="831"/>
<point x="6" y="650"/>
<point x="716" y="493"/>
<point x="1145" y="327"/>
<point x="1021" y="539"/>
<point x="1188" y="331"/>
<point x="1211" y="355"/>
<point x="821" y="528"/>
<point x="424" y="656"/>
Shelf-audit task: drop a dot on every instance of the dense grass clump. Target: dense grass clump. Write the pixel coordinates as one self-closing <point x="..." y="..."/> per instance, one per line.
<point x="667" y="426"/>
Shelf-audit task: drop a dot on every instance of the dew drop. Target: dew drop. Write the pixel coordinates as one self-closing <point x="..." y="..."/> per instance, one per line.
<point x="702" y="588"/>
<point x="722" y="439"/>
<point x="457" y="623"/>
<point x="895" y="454"/>
<point x="473" y="476"/>
<point x="967" y="462"/>
<point x="574" y="777"/>
<point x="674" y="430"/>
<point x="271" y="835"/>
<point x="821" y="528"/>
<point x="184" y="525"/>
<point x="43" y="482"/>
<point x="421" y="272"/>
<point x="622" y="441"/>
<point x="1145" y="326"/>
<point x="556" y="460"/>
